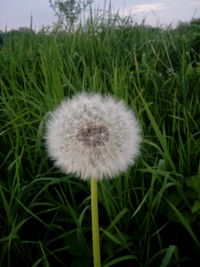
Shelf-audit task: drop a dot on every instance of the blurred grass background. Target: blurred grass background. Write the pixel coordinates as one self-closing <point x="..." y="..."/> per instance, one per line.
<point x="149" y="216"/>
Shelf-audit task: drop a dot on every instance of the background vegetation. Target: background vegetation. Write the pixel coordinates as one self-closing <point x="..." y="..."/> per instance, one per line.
<point x="149" y="216"/>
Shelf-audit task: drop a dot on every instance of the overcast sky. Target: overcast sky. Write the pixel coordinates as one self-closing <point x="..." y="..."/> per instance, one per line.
<point x="17" y="13"/>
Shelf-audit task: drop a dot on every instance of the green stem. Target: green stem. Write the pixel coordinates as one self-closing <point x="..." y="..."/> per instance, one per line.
<point x="95" y="224"/>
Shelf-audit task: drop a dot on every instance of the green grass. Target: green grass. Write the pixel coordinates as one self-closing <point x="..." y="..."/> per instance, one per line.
<point x="150" y="215"/>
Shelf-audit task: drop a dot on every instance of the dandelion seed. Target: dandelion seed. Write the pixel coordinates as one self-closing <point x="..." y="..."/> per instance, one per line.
<point x="93" y="136"/>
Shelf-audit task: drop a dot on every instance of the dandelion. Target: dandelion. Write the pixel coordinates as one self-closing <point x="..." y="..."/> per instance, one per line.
<point x="93" y="136"/>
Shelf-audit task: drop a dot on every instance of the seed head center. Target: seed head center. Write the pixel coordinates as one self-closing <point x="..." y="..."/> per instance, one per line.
<point x="93" y="135"/>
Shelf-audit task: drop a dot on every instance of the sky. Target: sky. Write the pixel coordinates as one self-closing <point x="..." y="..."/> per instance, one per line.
<point x="17" y="13"/>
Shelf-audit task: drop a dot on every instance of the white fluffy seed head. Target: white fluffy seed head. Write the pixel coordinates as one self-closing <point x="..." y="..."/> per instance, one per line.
<point x="93" y="136"/>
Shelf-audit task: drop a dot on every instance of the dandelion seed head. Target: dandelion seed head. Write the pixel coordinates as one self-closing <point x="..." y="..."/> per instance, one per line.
<point x="93" y="136"/>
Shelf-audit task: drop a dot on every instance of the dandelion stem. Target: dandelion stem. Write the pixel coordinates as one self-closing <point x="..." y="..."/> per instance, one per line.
<point x="95" y="224"/>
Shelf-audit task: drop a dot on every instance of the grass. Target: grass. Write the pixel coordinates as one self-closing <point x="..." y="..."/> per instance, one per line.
<point x="150" y="215"/>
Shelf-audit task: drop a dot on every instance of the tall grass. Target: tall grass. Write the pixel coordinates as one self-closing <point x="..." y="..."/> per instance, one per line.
<point x="148" y="216"/>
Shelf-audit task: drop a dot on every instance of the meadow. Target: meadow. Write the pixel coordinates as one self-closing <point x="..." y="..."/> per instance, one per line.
<point x="150" y="215"/>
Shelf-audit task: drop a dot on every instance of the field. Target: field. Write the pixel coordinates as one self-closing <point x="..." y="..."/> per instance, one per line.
<point x="150" y="215"/>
